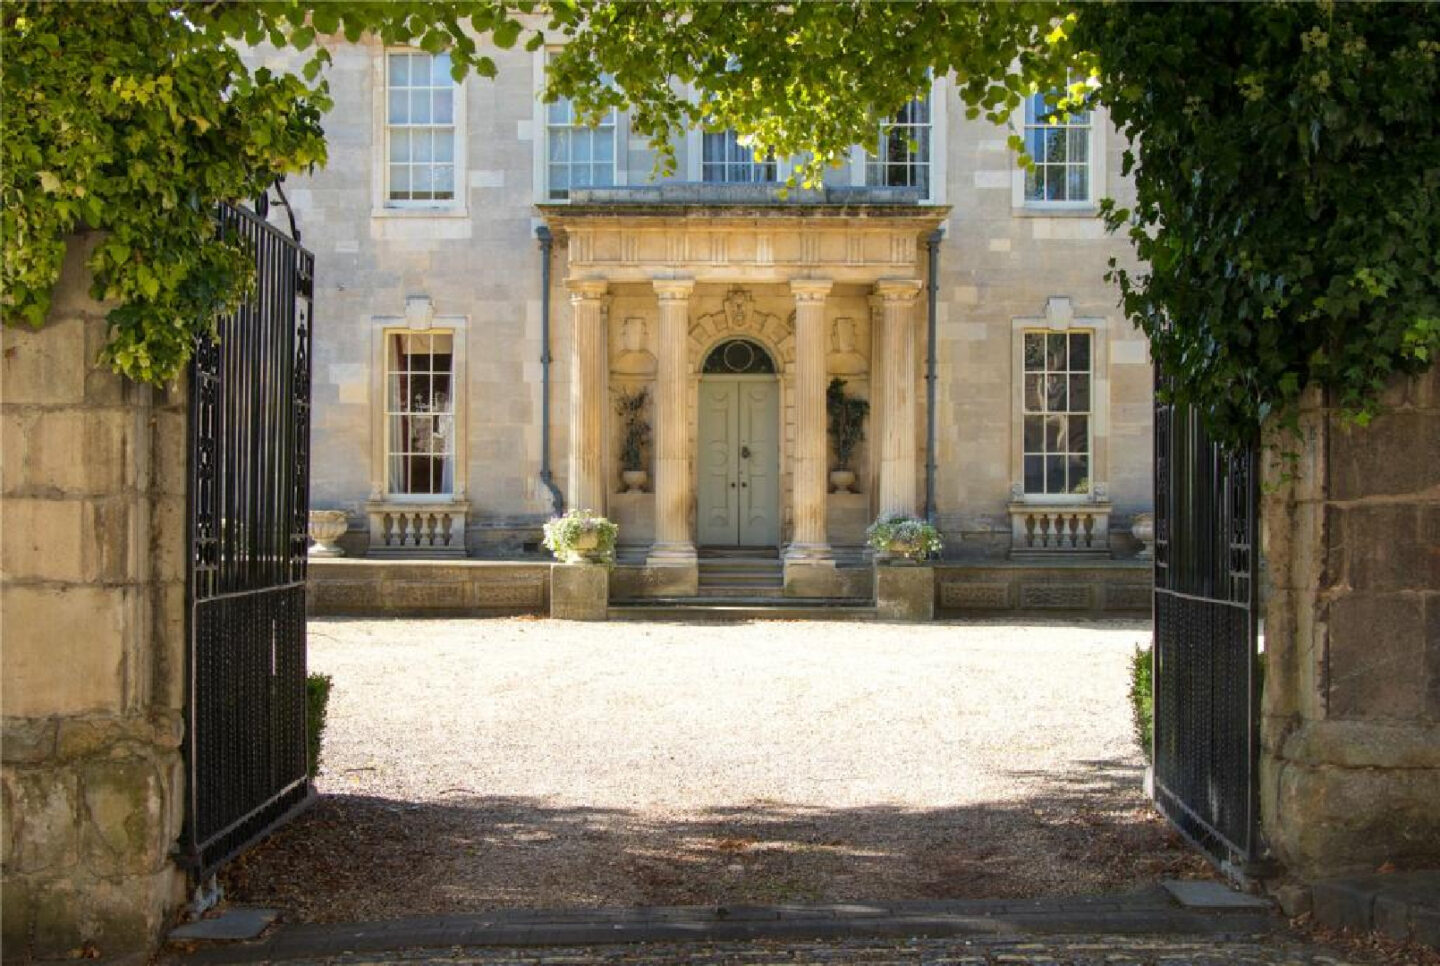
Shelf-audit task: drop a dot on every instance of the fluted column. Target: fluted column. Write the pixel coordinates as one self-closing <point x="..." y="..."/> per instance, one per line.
<point x="897" y="448"/>
<point x="810" y="541"/>
<point x="589" y="395"/>
<point x="673" y="543"/>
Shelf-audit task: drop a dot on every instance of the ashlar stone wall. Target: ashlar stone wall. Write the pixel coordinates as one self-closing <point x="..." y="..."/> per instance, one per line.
<point x="92" y="600"/>
<point x="1350" y="765"/>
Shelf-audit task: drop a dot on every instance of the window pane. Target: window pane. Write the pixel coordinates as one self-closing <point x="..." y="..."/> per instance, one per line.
<point x="420" y="107"/>
<point x="1055" y="396"/>
<point x="559" y="145"/>
<point x="399" y="145"/>
<point x="1079" y="427"/>
<point x="445" y="144"/>
<point x="1034" y="185"/>
<point x="440" y="70"/>
<point x="421" y="142"/>
<point x="580" y="143"/>
<point x="1055" y="351"/>
<point x="1078" y="469"/>
<point x="559" y="180"/>
<point x="444" y="181"/>
<point x="580" y="176"/>
<point x="399" y="107"/>
<point x="1054" y="474"/>
<point x="604" y="146"/>
<point x="1080" y="394"/>
<point x="444" y="107"/>
<point x="399" y="181"/>
<point x="1035" y="394"/>
<point x="1055" y="145"/>
<point x="399" y="70"/>
<point x="1079" y="146"/>
<point x="1055" y="434"/>
<point x="1077" y="186"/>
<point x="1054" y="184"/>
<point x="1034" y="474"/>
<point x="1080" y="352"/>
<point x="558" y="112"/>
<point x="1034" y="434"/>
<point x="421" y="182"/>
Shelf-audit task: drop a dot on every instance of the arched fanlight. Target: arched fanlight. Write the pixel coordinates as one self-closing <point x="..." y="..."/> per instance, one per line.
<point x="739" y="357"/>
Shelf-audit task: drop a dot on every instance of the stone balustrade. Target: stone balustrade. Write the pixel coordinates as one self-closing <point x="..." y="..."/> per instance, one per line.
<point x="1077" y="528"/>
<point x="417" y="529"/>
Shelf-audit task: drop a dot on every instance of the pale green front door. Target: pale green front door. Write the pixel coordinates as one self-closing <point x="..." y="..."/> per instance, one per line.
<point x="739" y="461"/>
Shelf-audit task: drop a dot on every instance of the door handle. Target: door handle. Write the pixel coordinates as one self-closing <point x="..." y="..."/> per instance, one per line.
<point x="732" y="484"/>
<point x="744" y="484"/>
<point x="744" y="452"/>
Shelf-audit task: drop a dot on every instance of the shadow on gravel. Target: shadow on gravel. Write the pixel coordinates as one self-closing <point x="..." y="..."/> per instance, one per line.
<point x="357" y="858"/>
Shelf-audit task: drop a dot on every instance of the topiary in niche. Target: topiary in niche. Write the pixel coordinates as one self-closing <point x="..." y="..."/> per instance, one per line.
<point x="846" y="416"/>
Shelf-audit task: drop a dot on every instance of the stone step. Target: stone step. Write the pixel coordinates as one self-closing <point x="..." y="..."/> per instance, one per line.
<point x="769" y="592"/>
<point x="743" y="609"/>
<point x="742" y="577"/>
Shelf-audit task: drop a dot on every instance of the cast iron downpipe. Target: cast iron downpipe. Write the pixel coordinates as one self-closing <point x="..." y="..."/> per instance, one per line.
<point x="932" y="289"/>
<point x="557" y="500"/>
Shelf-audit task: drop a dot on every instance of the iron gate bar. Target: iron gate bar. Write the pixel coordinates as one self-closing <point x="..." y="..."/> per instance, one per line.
<point x="247" y="505"/>
<point x="1207" y="693"/>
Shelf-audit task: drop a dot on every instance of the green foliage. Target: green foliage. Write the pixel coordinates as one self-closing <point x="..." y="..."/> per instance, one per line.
<point x="317" y="707"/>
<point x="581" y="535"/>
<point x="1288" y="198"/>
<point x="635" y="433"/>
<point x="1283" y="153"/>
<point x="905" y="537"/>
<point x="137" y="119"/>
<point x="1142" y="699"/>
<point x="847" y="421"/>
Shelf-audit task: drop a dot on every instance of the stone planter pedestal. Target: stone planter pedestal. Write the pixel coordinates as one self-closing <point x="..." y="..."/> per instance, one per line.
<point x="579" y="592"/>
<point x="904" y="593"/>
<point x="327" y="526"/>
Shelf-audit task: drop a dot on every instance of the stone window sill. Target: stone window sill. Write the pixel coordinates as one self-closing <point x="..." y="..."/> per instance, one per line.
<point x="420" y="213"/>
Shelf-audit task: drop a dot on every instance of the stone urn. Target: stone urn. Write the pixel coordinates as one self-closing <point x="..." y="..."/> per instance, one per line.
<point x="587" y="541"/>
<point x="634" y="480"/>
<point x="327" y="526"/>
<point x="1142" y="528"/>
<point x="842" y="480"/>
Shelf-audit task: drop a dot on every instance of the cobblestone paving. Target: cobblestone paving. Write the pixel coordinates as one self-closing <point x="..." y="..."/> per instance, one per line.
<point x="1069" y="951"/>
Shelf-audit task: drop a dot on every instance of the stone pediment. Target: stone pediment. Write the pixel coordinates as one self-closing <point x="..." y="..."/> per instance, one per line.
<point x="845" y="243"/>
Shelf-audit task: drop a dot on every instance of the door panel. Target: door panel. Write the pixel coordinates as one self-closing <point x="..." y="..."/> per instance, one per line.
<point x="739" y="463"/>
<point x="759" y="468"/>
<point x="718" y="509"/>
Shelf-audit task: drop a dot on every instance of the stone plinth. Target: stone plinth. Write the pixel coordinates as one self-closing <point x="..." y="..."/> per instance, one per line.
<point x="1350" y="729"/>
<point x="357" y="587"/>
<point x="579" y="592"/>
<point x="93" y="597"/>
<point x="812" y="578"/>
<point x="904" y="593"/>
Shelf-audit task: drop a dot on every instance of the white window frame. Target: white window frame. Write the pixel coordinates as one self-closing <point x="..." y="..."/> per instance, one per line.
<point x="418" y="320"/>
<point x="1059" y="318"/>
<point x="939" y="132"/>
<point x="540" y="126"/>
<point x="1099" y="121"/>
<point x="382" y="206"/>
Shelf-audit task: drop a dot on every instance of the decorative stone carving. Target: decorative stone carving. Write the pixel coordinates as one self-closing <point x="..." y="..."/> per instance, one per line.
<point x="419" y="312"/>
<point x="327" y="526"/>
<point x="738" y="316"/>
<point x="634" y="358"/>
<point x="844" y="360"/>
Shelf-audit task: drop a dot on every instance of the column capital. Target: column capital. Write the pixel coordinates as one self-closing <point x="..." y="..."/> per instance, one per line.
<point x="897" y="289"/>
<point x="810" y="289"/>
<point x="587" y="289"/>
<point x="673" y="289"/>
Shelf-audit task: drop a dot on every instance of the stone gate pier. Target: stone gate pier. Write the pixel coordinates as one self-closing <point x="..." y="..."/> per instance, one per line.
<point x="92" y="598"/>
<point x="1350" y="765"/>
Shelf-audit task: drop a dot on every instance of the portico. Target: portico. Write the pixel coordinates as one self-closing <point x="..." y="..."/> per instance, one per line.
<point x="748" y="313"/>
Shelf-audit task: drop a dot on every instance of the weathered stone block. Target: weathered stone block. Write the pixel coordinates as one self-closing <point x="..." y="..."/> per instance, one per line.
<point x="26" y="740"/>
<point x="667" y="580"/>
<point x="44" y="540"/>
<point x="1386" y="547"/>
<point x="579" y="592"/>
<point x="41" y="820"/>
<point x="904" y="593"/>
<point x="64" y="648"/>
<point x="812" y="578"/>
<point x="1397" y="453"/>
<point x="123" y="818"/>
<point x="1377" y="656"/>
<point x="45" y="366"/>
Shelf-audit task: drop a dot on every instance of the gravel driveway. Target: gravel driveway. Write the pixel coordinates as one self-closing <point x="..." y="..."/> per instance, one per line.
<point x="492" y="763"/>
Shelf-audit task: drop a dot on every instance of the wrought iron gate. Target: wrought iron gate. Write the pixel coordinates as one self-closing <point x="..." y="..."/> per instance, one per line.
<point x="1206" y="673"/>
<point x="248" y="504"/>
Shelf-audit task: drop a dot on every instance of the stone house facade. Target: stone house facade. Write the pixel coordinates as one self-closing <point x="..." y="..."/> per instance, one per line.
<point x="492" y="276"/>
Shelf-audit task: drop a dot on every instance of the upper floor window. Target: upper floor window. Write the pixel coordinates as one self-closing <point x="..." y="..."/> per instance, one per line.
<point x="1064" y="153"/>
<point x="420" y="129"/>
<point x="577" y="155"/>
<point x="904" y="159"/>
<point x="725" y="160"/>
<point x="1056" y="411"/>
